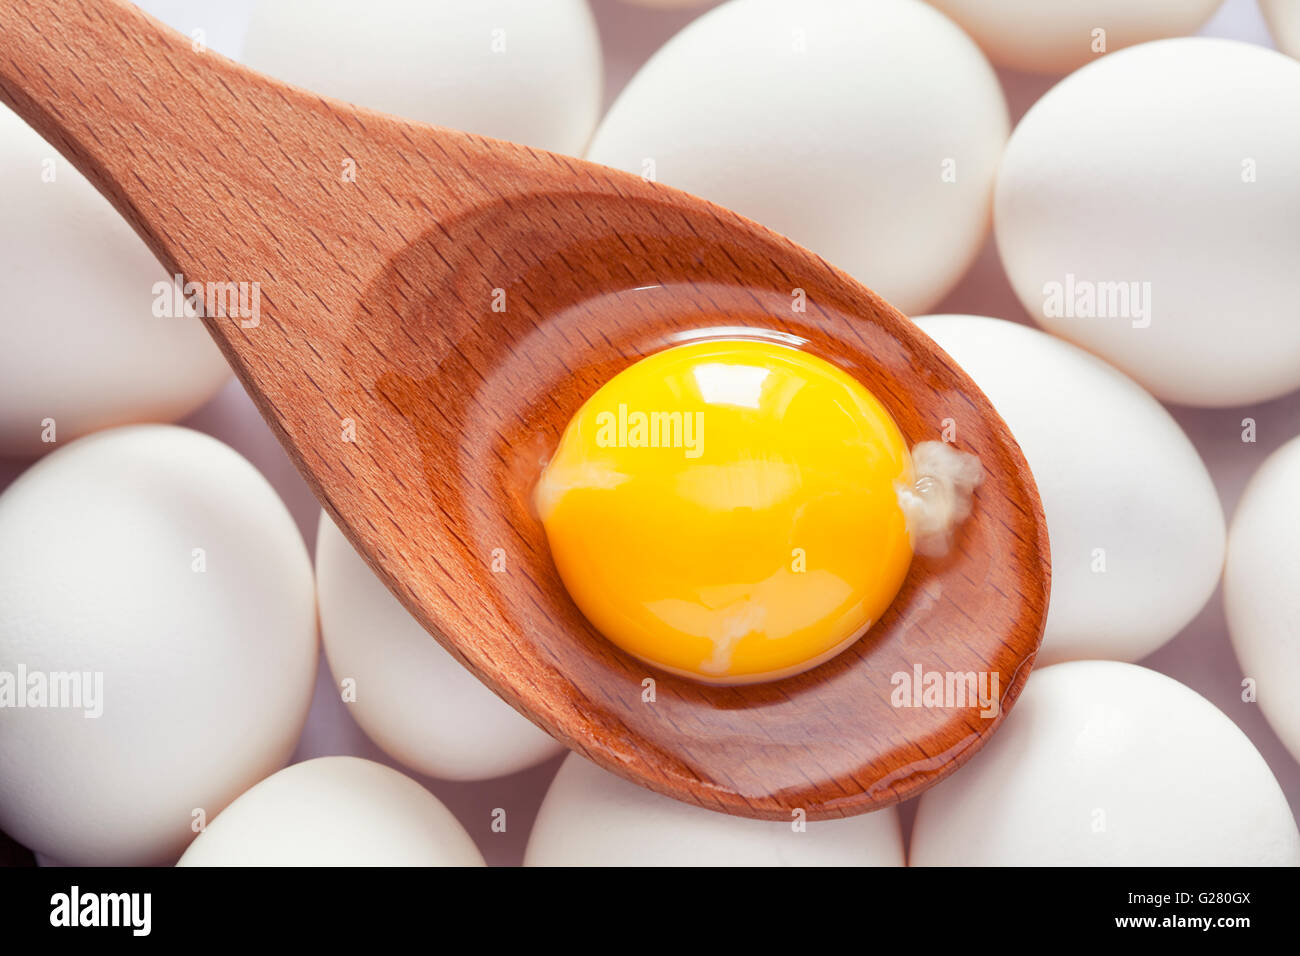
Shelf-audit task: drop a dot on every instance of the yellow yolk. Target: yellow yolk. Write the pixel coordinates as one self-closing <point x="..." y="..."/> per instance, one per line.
<point x="728" y="510"/>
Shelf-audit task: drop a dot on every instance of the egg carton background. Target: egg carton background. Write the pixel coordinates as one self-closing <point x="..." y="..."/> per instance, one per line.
<point x="1200" y="657"/>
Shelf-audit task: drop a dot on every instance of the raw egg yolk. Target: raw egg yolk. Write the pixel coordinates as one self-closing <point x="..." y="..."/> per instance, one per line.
<point x="728" y="510"/>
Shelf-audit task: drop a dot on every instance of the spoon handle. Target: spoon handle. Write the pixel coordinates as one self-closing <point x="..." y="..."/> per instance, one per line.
<point x="159" y="124"/>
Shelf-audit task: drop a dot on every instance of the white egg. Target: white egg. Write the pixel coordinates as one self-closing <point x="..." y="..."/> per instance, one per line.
<point x="1261" y="589"/>
<point x="1283" y="18"/>
<point x="1109" y="764"/>
<point x="518" y="70"/>
<point x="335" y="811"/>
<point x="1063" y="35"/>
<point x="154" y="584"/>
<point x="412" y="697"/>
<point x="80" y="345"/>
<point x="868" y="132"/>
<point x="590" y="817"/>
<point x="1135" y="524"/>
<point x="1146" y="209"/>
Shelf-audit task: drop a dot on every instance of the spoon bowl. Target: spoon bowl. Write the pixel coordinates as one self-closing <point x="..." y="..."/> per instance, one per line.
<point x="433" y="307"/>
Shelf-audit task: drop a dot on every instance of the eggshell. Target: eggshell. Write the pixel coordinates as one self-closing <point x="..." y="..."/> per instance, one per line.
<point x="80" y="344"/>
<point x="1261" y="589"/>
<point x="514" y="69"/>
<point x="592" y="818"/>
<point x="1109" y="764"/>
<point x="1283" y="18"/>
<point x="412" y="697"/>
<point x="836" y="123"/>
<point x="1058" y="36"/>
<point x="335" y="811"/>
<point x="1134" y="521"/>
<point x="160" y="559"/>
<point x="1167" y="170"/>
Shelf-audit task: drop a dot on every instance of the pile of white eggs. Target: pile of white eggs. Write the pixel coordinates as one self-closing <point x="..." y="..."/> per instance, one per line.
<point x="161" y="619"/>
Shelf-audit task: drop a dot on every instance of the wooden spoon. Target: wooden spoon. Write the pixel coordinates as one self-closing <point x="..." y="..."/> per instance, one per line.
<point x="434" y="306"/>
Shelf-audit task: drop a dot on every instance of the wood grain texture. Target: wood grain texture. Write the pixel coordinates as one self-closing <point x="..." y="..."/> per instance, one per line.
<point x="377" y="307"/>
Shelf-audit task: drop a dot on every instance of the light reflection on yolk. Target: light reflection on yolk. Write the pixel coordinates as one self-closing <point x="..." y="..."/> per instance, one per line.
<point x="728" y="510"/>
